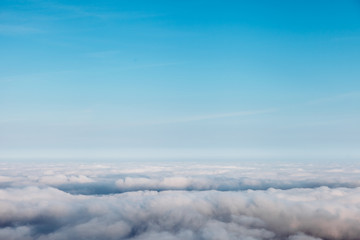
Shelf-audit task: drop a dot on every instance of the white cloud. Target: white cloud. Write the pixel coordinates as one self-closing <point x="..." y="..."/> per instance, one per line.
<point x="296" y="201"/>
<point x="63" y="179"/>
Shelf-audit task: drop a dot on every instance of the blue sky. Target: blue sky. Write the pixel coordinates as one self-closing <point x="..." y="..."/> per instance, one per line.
<point x="206" y="77"/>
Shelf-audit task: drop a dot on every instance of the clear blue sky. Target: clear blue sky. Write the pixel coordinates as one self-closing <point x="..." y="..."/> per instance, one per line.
<point x="252" y="76"/>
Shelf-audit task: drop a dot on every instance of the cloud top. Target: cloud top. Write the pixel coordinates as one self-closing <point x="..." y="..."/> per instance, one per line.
<point x="160" y="201"/>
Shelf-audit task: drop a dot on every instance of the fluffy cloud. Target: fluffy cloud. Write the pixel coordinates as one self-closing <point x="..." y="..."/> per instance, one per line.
<point x="164" y="202"/>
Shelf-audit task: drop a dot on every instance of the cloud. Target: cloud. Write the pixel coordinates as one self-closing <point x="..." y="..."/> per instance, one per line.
<point x="217" y="116"/>
<point x="6" y="29"/>
<point x="164" y="201"/>
<point x="349" y="96"/>
<point x="63" y="179"/>
<point x="90" y="179"/>
<point x="66" y="11"/>
<point x="271" y="214"/>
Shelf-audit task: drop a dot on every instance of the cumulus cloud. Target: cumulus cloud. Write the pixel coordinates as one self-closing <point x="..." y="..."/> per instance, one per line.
<point x="179" y="201"/>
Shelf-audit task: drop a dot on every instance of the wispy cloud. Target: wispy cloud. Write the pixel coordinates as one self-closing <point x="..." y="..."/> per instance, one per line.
<point x="17" y="19"/>
<point x="346" y="38"/>
<point x="195" y="118"/>
<point x="224" y="115"/>
<point x="9" y="29"/>
<point x="32" y="76"/>
<point x="338" y="97"/>
<point x="79" y="11"/>
<point x="103" y="54"/>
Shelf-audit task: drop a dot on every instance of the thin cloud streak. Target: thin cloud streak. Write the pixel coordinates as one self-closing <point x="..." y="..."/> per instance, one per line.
<point x="68" y="11"/>
<point x="196" y="118"/>
<point x="224" y="115"/>
<point x="8" y="29"/>
<point x="339" y="97"/>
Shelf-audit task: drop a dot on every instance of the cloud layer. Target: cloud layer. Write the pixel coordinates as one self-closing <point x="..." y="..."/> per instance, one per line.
<point x="179" y="201"/>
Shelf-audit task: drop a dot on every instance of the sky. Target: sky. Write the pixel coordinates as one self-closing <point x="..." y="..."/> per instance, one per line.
<point x="179" y="120"/>
<point x="180" y="79"/>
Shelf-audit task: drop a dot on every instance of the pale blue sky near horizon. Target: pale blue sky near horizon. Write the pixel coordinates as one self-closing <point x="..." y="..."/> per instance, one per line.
<point x="238" y="78"/>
